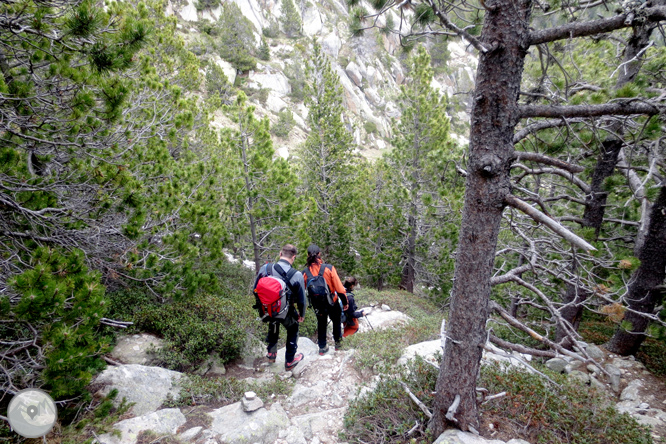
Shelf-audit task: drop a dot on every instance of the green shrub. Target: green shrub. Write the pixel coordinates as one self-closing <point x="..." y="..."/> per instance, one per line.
<point x="93" y="419"/>
<point x="196" y="327"/>
<point x="206" y="4"/>
<point x="272" y="31"/>
<point x="382" y="348"/>
<point x="370" y="127"/>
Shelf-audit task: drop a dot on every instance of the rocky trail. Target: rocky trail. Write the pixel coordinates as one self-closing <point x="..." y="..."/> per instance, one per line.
<point x="323" y="388"/>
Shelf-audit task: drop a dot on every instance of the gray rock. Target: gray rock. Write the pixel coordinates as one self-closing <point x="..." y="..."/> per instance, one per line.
<point x="147" y="387"/>
<point x="615" y="374"/>
<point x="594" y="352"/>
<point x="164" y="421"/>
<point x="232" y="425"/>
<point x="580" y="376"/>
<point x="630" y="392"/>
<point x="316" y="424"/>
<point x="292" y="435"/>
<point x="354" y="73"/>
<point x="250" y="402"/>
<point x="137" y="349"/>
<point x="190" y="434"/>
<point x="309" y="349"/>
<point x="556" y="364"/>
<point x="594" y="382"/>
<point x="302" y="395"/>
<point x="212" y="367"/>
<point x="593" y="368"/>
<point x="454" y="436"/>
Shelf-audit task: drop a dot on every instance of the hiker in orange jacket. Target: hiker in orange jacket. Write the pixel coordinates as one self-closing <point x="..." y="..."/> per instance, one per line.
<point x="325" y="310"/>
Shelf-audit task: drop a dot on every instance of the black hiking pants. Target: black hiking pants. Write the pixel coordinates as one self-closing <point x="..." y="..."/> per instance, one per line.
<point x="333" y="312"/>
<point x="291" y="325"/>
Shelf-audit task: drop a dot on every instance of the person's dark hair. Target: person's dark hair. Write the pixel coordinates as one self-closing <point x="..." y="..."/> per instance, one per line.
<point x="313" y="254"/>
<point x="350" y="282"/>
<point x="288" y="251"/>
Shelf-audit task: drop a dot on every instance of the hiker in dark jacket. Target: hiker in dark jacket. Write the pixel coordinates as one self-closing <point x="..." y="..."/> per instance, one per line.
<point x="351" y="313"/>
<point x="294" y="316"/>
<point x="325" y="311"/>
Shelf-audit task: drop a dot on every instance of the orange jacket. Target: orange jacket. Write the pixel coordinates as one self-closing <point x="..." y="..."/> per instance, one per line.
<point x="332" y="279"/>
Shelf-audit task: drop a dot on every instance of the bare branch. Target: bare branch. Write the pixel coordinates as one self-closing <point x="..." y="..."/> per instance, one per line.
<point x="416" y="400"/>
<point x="594" y="27"/>
<point x="547" y="160"/>
<point x="617" y="108"/>
<point x="538" y="216"/>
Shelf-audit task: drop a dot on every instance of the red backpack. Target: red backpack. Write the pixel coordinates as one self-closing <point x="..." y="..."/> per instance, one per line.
<point x="273" y="293"/>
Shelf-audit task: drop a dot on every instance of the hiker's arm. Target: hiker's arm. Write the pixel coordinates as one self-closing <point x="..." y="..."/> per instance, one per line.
<point x="338" y="287"/>
<point x="300" y="294"/>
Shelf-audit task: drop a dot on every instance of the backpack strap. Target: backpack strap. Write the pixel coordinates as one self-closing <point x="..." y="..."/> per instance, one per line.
<point x="287" y="278"/>
<point x="308" y="273"/>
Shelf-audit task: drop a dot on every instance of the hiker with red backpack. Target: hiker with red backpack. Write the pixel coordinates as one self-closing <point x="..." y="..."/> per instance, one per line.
<point x="277" y="288"/>
<point x="323" y="287"/>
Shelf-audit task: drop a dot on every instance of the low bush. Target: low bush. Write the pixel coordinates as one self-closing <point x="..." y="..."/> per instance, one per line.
<point x="387" y="414"/>
<point x="197" y="327"/>
<point x="540" y="412"/>
<point x="533" y="409"/>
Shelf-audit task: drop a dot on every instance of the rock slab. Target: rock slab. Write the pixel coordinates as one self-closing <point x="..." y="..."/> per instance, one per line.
<point x="146" y="387"/>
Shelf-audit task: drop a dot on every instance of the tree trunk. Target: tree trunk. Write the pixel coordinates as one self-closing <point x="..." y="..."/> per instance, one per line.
<point x="644" y="290"/>
<point x="494" y="117"/>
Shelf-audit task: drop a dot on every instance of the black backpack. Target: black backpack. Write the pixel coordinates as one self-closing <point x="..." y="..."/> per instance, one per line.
<point x="317" y="290"/>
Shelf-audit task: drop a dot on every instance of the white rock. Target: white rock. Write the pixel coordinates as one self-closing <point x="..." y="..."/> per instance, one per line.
<point x="162" y="421"/>
<point x="312" y="23"/>
<point x="276" y="82"/>
<point x="630" y="393"/>
<point x="190" y="434"/>
<point x="189" y="12"/>
<point x="354" y="73"/>
<point x="147" y="387"/>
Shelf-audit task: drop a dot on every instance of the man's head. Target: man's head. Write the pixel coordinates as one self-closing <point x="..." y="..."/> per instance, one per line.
<point x="288" y="252"/>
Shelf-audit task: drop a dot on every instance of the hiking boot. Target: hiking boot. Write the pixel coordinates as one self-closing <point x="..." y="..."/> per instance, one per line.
<point x="323" y="351"/>
<point x="338" y="345"/>
<point x="289" y="365"/>
<point x="271" y="357"/>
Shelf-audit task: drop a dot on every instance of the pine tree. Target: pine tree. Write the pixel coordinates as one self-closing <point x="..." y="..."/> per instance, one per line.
<point x="261" y="188"/>
<point x="290" y="20"/>
<point x="420" y="149"/>
<point x="326" y="165"/>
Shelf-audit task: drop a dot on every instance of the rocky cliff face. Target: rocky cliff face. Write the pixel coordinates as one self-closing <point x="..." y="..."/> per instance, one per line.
<point x="369" y="68"/>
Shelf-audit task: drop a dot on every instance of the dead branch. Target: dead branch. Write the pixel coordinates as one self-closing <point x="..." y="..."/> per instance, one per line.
<point x="538" y="216"/>
<point x="547" y="160"/>
<point x="451" y="412"/>
<point x="416" y="400"/>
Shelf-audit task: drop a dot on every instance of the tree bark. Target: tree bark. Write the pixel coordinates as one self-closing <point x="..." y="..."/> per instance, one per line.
<point x="494" y="117"/>
<point x="645" y="289"/>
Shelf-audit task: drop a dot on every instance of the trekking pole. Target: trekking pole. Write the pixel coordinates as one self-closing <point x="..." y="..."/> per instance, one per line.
<point x="368" y="321"/>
